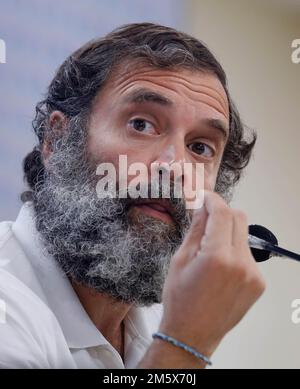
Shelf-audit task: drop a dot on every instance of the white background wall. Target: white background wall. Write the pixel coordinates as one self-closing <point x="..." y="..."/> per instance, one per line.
<point x="252" y="39"/>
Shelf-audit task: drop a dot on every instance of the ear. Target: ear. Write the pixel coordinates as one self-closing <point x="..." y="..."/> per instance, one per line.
<point x="57" y="124"/>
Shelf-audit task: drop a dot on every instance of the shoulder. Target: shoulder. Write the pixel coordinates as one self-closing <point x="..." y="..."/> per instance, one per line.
<point x="29" y="331"/>
<point x="5" y="232"/>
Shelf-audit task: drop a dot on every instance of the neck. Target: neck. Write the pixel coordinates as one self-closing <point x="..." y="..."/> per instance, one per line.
<point x="106" y="313"/>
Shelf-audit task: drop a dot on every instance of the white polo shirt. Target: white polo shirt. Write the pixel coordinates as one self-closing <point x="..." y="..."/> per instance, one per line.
<point x="42" y="322"/>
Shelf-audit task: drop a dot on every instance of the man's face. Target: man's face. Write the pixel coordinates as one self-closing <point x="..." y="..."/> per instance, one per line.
<point x="118" y="246"/>
<point x="157" y="115"/>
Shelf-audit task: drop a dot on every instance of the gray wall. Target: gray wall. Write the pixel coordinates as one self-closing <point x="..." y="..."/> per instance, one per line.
<point x="39" y="35"/>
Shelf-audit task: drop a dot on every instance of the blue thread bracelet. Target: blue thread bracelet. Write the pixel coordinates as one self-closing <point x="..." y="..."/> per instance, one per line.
<point x="175" y="342"/>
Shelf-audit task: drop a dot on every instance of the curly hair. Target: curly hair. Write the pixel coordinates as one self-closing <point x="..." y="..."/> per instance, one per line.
<point x="80" y="78"/>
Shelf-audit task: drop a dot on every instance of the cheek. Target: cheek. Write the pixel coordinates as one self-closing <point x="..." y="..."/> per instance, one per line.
<point x="106" y="146"/>
<point x="106" y="143"/>
<point x="125" y="159"/>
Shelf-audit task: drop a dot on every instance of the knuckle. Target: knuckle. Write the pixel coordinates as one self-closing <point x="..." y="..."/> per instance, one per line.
<point x="240" y="270"/>
<point x="219" y="262"/>
<point x="222" y="257"/>
<point x="240" y="215"/>
<point x="257" y="284"/>
<point x="213" y="195"/>
<point x="214" y="261"/>
<point x="261" y="285"/>
<point x="222" y="211"/>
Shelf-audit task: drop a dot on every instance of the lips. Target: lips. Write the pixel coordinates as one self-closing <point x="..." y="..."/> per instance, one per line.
<point x="157" y="209"/>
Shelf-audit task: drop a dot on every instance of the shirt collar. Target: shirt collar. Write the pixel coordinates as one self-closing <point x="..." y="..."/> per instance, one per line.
<point x="78" y="329"/>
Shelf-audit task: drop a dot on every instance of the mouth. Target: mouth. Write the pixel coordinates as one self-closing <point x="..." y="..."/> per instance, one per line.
<point x="157" y="209"/>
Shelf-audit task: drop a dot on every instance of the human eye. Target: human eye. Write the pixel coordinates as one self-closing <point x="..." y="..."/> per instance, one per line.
<point x="142" y="125"/>
<point x="202" y="149"/>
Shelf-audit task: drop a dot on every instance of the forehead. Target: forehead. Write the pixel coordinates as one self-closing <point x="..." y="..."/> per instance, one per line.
<point x="181" y="86"/>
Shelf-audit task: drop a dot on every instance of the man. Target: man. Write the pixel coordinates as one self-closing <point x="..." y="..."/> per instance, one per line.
<point x="87" y="279"/>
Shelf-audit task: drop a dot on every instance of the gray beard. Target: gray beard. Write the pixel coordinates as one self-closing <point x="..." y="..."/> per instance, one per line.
<point x="99" y="242"/>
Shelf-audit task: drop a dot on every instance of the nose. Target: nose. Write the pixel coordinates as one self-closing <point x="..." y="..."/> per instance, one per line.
<point x="171" y="158"/>
<point x="184" y="175"/>
<point x="170" y="153"/>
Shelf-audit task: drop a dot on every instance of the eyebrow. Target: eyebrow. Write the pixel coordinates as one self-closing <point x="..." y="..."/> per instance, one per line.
<point x="219" y="125"/>
<point x="143" y="95"/>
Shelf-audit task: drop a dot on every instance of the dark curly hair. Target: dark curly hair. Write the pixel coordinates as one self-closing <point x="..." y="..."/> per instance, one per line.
<point x="80" y="78"/>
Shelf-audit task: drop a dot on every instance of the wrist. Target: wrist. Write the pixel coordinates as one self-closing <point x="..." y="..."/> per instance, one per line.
<point x="201" y="343"/>
<point x="182" y="345"/>
<point x="163" y="355"/>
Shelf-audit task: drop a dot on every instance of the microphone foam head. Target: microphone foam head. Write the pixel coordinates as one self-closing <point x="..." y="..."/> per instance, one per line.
<point x="265" y="234"/>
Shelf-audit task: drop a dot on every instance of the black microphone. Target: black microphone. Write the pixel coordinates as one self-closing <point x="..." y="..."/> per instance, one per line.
<point x="264" y="245"/>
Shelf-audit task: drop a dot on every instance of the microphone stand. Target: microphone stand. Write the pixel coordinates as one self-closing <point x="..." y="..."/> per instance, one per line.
<point x="260" y="244"/>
